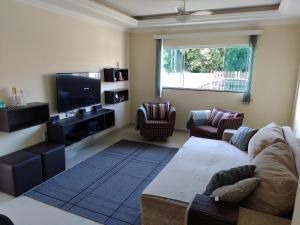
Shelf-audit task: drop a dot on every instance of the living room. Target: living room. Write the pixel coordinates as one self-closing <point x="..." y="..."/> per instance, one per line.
<point x="123" y="45"/>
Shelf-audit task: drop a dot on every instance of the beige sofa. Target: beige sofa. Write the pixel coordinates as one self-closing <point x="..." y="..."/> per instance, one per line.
<point x="165" y="200"/>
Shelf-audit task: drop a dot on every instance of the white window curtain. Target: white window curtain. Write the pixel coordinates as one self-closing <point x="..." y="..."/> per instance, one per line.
<point x="296" y="116"/>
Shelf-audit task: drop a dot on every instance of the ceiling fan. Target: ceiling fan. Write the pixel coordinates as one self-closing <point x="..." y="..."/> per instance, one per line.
<point x="184" y="16"/>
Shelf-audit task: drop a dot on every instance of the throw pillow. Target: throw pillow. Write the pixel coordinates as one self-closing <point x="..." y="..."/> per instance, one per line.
<point x="241" y="137"/>
<point x="227" y="177"/>
<point x="275" y="166"/>
<point x="212" y="116"/>
<point x="229" y="115"/>
<point x="236" y="192"/>
<point x="263" y="138"/>
<point x="217" y="118"/>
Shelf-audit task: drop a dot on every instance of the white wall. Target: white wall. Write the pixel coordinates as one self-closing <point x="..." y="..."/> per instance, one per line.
<point x="274" y="81"/>
<point x="35" y="44"/>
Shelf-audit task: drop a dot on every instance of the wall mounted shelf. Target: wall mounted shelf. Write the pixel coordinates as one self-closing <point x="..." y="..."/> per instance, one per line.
<point x="116" y="96"/>
<point x="14" y="118"/>
<point x="115" y="75"/>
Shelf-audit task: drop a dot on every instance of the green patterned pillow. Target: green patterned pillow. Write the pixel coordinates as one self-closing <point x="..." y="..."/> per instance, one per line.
<point x="241" y="137"/>
<point x="228" y="177"/>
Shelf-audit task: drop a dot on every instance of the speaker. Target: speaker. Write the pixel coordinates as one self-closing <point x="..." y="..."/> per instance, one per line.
<point x="82" y="112"/>
<point x="54" y="119"/>
<point x="97" y="108"/>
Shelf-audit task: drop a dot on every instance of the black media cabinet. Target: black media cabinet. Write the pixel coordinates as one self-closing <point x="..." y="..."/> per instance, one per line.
<point x="73" y="129"/>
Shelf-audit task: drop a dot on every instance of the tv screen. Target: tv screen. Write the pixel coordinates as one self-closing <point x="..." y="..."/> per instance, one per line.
<point x="77" y="90"/>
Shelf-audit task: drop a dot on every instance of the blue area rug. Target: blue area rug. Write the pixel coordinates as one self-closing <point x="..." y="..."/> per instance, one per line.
<point x="106" y="188"/>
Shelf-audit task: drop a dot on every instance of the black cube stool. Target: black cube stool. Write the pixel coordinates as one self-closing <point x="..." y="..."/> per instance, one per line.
<point x="19" y="172"/>
<point x="4" y="220"/>
<point x="52" y="155"/>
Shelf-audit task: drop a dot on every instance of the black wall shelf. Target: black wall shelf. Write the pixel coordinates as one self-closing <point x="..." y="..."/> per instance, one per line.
<point x="14" y="118"/>
<point x="73" y="129"/>
<point x="114" y="74"/>
<point x="116" y="96"/>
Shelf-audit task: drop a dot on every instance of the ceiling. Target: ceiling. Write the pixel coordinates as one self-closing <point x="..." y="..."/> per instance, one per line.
<point x="155" y="7"/>
<point x="160" y="15"/>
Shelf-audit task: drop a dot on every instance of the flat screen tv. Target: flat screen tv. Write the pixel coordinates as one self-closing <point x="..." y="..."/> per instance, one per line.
<point x="75" y="90"/>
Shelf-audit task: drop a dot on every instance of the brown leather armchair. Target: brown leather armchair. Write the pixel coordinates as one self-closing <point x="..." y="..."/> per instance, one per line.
<point x="155" y="128"/>
<point x="216" y="132"/>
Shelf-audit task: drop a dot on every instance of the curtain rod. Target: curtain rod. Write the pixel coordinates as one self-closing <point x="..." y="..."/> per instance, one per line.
<point x="208" y="34"/>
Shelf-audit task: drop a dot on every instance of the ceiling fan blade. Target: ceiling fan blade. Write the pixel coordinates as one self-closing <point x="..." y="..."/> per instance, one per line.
<point x="202" y="13"/>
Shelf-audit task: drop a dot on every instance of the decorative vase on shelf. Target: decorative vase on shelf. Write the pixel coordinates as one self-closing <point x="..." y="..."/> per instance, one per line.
<point x="2" y="104"/>
<point x="16" y="100"/>
<point x="22" y="98"/>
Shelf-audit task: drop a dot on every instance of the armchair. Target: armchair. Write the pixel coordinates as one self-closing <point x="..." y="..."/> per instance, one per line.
<point x="216" y="122"/>
<point x="154" y="124"/>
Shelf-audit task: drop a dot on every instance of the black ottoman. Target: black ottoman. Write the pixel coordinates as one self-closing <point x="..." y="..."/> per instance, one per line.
<point x="4" y="220"/>
<point x="52" y="155"/>
<point x="19" y="172"/>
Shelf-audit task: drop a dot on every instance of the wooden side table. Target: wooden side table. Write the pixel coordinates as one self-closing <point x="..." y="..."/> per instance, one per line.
<point x="228" y="133"/>
<point x="205" y="211"/>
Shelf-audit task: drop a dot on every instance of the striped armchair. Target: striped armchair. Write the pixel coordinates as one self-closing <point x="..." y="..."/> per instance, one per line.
<point x="156" y="120"/>
<point x="213" y="123"/>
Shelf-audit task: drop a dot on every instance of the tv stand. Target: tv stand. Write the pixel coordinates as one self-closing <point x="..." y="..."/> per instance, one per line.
<point x="73" y="129"/>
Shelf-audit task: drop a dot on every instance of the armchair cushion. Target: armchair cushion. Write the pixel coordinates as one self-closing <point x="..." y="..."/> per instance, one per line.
<point x="157" y="111"/>
<point x="217" y="118"/>
<point x="205" y="131"/>
<point x="212" y="116"/>
<point x="157" y="123"/>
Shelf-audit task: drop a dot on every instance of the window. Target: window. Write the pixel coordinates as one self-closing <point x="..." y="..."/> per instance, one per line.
<point x="209" y="68"/>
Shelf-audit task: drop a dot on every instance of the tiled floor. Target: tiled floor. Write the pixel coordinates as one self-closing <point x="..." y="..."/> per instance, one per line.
<point x="26" y="211"/>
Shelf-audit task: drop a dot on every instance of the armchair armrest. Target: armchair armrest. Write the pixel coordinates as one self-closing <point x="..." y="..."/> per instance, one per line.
<point x="203" y="210"/>
<point x="231" y="123"/>
<point x="142" y="112"/>
<point x="198" y="117"/>
<point x="172" y="116"/>
<point x="141" y="117"/>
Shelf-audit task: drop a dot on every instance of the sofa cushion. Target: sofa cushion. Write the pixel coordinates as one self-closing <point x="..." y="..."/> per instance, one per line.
<point x="265" y="137"/>
<point x="293" y="144"/>
<point x="275" y="166"/>
<point x="241" y="137"/>
<point x="227" y="177"/>
<point x="207" y="131"/>
<point x="236" y="192"/>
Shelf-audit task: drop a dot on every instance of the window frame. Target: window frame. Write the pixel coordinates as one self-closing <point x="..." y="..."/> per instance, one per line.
<point x="204" y="46"/>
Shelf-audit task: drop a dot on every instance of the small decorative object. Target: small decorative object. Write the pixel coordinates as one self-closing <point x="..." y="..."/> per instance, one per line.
<point x="16" y="100"/>
<point x="22" y="98"/>
<point x="121" y="76"/>
<point x="118" y="65"/>
<point x="2" y="104"/>
<point x="117" y="97"/>
<point x="115" y="78"/>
